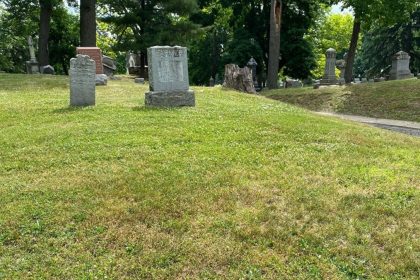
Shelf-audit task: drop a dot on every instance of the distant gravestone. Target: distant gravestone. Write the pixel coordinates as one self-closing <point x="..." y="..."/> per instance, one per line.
<point x="168" y="77"/>
<point x="109" y="66"/>
<point x="32" y="66"/>
<point x="400" y="67"/>
<point x="290" y="83"/>
<point x="329" y="73"/>
<point x="211" y="82"/>
<point x="341" y="65"/>
<point x="139" y="80"/>
<point x="101" y="79"/>
<point x="82" y="81"/>
<point x="48" y="70"/>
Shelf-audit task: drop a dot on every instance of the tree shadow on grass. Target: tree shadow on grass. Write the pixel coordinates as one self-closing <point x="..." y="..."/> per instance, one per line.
<point x="156" y="109"/>
<point x="310" y="101"/>
<point x="71" y="109"/>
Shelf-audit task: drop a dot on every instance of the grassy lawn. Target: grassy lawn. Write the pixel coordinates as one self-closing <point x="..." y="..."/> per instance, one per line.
<point x="398" y="100"/>
<point x="240" y="187"/>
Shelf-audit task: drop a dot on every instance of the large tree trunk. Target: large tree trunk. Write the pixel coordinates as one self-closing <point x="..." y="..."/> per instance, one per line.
<point x="348" y="76"/>
<point x="88" y="23"/>
<point x="44" y="31"/>
<point x="274" y="45"/>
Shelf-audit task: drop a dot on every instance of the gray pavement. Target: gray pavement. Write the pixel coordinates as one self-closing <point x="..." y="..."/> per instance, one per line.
<point x="410" y="128"/>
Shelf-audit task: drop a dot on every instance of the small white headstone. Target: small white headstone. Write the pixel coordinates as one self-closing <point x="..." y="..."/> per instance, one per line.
<point x="82" y="81"/>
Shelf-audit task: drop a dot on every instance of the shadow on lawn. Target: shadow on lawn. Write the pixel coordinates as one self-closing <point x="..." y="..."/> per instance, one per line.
<point x="71" y="109"/>
<point x="310" y="101"/>
<point x="157" y="109"/>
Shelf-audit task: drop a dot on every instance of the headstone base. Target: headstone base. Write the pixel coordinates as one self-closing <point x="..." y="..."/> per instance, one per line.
<point x="401" y="76"/>
<point x="32" y="67"/>
<point x="139" y="80"/>
<point x="324" y="82"/>
<point x="170" y="99"/>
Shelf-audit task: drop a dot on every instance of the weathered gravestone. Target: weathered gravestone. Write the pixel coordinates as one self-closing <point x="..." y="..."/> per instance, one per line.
<point x="139" y="80"/>
<point x="32" y="66"/>
<point x="47" y="69"/>
<point x="239" y="78"/>
<point x="341" y="65"/>
<point x="82" y="81"/>
<point x="400" y="67"/>
<point x="291" y="83"/>
<point x="329" y="77"/>
<point x="168" y="77"/>
<point x="109" y="66"/>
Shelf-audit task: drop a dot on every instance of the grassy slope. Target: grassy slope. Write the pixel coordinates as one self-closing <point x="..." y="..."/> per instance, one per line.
<point x="238" y="187"/>
<point x="392" y="100"/>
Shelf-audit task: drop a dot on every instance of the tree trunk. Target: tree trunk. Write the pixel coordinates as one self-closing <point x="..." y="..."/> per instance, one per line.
<point x="238" y="78"/>
<point x="44" y="31"/>
<point x="88" y="23"/>
<point x="274" y="44"/>
<point x="348" y="76"/>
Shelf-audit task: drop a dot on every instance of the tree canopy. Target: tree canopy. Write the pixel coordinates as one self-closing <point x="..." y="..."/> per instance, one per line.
<point x="216" y="32"/>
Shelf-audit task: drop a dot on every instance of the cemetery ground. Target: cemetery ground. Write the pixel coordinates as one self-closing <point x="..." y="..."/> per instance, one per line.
<point x="399" y="100"/>
<point x="239" y="187"/>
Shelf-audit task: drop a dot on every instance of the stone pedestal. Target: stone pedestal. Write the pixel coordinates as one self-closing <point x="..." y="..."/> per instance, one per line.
<point x="32" y="67"/>
<point x="400" y="67"/>
<point x="170" y="99"/>
<point x="82" y="81"/>
<point x="329" y="77"/>
<point x="168" y="77"/>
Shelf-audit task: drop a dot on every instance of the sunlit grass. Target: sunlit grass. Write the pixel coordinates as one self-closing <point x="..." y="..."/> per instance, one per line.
<point x="239" y="187"/>
<point x="398" y="100"/>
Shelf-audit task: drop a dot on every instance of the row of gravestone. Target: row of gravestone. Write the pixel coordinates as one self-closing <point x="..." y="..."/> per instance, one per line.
<point x="168" y="78"/>
<point x="104" y="64"/>
<point x="400" y="68"/>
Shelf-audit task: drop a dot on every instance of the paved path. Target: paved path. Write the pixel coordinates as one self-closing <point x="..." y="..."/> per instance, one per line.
<point x="411" y="128"/>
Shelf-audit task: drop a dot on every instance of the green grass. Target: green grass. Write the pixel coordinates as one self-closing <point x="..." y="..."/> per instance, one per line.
<point x="398" y="100"/>
<point x="239" y="187"/>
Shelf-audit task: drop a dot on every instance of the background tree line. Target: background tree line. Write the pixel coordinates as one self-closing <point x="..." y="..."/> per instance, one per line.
<point x="216" y="32"/>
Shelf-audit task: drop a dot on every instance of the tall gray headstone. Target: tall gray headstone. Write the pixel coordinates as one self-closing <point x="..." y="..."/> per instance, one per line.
<point x="329" y="74"/>
<point x="168" y="77"/>
<point x="32" y="66"/>
<point x="400" y="67"/>
<point x="82" y="81"/>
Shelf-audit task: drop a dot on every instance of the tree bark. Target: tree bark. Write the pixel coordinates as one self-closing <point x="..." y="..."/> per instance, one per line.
<point x="274" y="43"/>
<point x="44" y="31"/>
<point x="238" y="78"/>
<point x="348" y="76"/>
<point x="88" y="23"/>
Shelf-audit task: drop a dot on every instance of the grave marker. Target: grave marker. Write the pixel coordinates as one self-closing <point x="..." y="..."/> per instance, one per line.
<point x="82" y="81"/>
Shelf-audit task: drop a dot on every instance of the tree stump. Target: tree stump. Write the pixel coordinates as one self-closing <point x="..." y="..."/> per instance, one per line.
<point x="238" y="78"/>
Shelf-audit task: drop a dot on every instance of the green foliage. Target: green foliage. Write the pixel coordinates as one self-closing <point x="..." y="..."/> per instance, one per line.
<point x="381" y="43"/>
<point x="20" y="19"/>
<point x="333" y="31"/>
<point x="141" y="25"/>
<point x="64" y="37"/>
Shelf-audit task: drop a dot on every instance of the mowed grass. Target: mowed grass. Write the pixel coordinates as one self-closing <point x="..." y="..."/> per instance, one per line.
<point x="398" y="100"/>
<point x="239" y="187"/>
